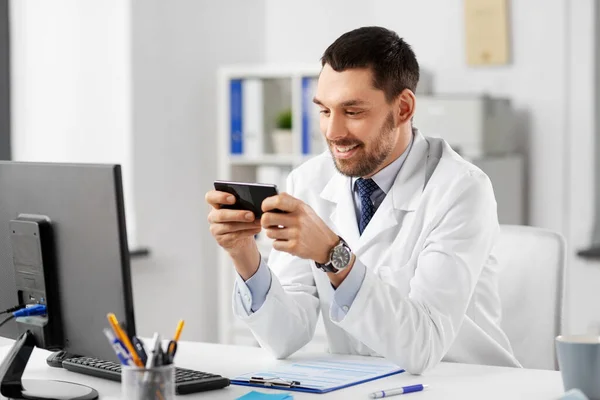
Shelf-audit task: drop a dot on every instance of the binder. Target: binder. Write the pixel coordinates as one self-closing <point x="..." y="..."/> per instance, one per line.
<point x="312" y="140"/>
<point x="236" y="113"/>
<point x="318" y="376"/>
<point x="246" y="115"/>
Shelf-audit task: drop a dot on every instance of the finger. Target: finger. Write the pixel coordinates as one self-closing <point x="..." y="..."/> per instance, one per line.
<point x="280" y="233"/>
<point x="238" y="234"/>
<point x="229" y="240"/>
<point x="223" y="229"/>
<point x="222" y="216"/>
<point x="283" y="202"/>
<point x="271" y="219"/>
<point x="216" y="198"/>
<point x="286" y="246"/>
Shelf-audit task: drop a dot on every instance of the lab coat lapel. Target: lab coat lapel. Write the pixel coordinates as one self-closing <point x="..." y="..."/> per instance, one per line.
<point x="403" y="197"/>
<point x="343" y="215"/>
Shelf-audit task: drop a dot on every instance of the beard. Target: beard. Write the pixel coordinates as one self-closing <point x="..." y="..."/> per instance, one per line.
<point x="369" y="160"/>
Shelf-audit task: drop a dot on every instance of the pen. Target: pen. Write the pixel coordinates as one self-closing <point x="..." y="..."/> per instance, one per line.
<point x="154" y="349"/>
<point x="117" y="346"/>
<point x="160" y="357"/>
<point x="114" y="323"/>
<point x="139" y="348"/>
<point x="152" y="362"/>
<point x="396" y="391"/>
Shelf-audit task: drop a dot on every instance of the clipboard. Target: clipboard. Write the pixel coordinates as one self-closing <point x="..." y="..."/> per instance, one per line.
<point x="318" y="376"/>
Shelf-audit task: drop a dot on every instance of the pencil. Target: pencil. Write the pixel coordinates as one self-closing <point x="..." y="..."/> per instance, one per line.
<point x="114" y="323"/>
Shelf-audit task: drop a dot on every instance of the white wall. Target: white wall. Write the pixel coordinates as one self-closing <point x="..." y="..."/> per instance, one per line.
<point x="582" y="103"/>
<point x="549" y="81"/>
<point x="177" y="46"/>
<point x="134" y="82"/>
<point x="70" y="84"/>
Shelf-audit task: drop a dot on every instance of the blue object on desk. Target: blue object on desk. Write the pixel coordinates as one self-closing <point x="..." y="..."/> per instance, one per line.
<point x="380" y="394"/>
<point x="265" y="396"/>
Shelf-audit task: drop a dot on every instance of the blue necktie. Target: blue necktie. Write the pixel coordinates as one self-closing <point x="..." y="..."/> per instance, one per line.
<point x="366" y="187"/>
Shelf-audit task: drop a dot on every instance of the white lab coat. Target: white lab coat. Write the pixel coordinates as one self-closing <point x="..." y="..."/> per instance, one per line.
<point x="430" y="290"/>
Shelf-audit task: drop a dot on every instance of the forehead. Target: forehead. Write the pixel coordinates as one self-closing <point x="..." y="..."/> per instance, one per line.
<point x="352" y="84"/>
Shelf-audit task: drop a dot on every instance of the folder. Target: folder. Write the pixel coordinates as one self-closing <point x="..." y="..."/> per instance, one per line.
<point x="236" y="116"/>
<point x="318" y="376"/>
<point x="312" y="139"/>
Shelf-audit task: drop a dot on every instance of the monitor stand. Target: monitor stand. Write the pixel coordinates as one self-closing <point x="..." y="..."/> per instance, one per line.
<point x="13" y="387"/>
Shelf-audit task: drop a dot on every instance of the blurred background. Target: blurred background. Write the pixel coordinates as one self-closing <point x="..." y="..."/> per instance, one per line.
<point x="182" y="92"/>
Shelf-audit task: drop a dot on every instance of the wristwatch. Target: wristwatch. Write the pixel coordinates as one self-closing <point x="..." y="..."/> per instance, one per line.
<point x="339" y="258"/>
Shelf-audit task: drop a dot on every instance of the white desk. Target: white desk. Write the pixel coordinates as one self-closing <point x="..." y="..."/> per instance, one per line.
<point x="447" y="381"/>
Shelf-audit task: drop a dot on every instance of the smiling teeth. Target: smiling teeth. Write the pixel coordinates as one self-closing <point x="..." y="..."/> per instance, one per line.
<point x="345" y="149"/>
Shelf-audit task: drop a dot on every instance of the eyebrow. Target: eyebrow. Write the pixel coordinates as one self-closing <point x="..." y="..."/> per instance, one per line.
<point x="347" y="103"/>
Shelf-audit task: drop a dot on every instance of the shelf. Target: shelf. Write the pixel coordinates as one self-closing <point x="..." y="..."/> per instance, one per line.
<point x="267" y="159"/>
<point x="248" y="146"/>
<point x="271" y="71"/>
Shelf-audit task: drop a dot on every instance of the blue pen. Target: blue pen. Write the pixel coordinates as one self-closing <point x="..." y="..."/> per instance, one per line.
<point x="118" y="347"/>
<point x="396" y="391"/>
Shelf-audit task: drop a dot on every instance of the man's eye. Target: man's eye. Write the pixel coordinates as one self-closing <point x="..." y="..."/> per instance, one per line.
<point x="326" y="112"/>
<point x="352" y="113"/>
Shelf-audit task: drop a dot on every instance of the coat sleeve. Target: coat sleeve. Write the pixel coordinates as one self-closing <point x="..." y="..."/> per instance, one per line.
<point x="286" y="320"/>
<point x="416" y="331"/>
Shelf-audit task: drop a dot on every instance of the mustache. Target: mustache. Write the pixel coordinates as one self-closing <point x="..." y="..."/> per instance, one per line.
<point x="344" y="142"/>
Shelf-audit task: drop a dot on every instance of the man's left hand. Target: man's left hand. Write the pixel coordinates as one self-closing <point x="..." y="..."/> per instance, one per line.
<point x="299" y="231"/>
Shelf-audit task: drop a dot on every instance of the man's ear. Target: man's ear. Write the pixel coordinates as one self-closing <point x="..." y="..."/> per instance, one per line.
<point x="406" y="103"/>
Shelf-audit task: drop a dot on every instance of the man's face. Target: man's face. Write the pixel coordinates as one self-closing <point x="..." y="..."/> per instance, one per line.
<point x="356" y="120"/>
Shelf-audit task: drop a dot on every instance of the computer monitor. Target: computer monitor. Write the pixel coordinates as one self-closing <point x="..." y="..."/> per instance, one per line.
<point x="85" y="207"/>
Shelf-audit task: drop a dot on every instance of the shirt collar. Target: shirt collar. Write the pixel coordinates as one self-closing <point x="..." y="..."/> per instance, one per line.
<point x="386" y="177"/>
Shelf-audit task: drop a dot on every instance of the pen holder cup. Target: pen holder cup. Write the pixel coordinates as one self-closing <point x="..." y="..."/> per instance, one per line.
<point x="148" y="383"/>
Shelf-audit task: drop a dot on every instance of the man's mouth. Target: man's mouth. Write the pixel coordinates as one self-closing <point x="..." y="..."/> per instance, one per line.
<point x="344" y="152"/>
<point x="345" y="149"/>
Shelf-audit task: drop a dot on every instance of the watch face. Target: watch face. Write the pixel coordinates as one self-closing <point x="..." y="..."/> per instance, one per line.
<point x="340" y="257"/>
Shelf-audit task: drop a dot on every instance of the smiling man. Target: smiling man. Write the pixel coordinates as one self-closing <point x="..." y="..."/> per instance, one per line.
<point x="389" y="234"/>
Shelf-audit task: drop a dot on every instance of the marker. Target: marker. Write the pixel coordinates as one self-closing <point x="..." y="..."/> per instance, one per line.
<point x="397" y="391"/>
<point x="139" y="348"/>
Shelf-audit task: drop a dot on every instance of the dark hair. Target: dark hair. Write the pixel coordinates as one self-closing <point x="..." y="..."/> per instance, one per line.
<point x="391" y="59"/>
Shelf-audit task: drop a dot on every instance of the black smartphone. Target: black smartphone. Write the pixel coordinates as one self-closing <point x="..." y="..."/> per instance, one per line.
<point x="248" y="196"/>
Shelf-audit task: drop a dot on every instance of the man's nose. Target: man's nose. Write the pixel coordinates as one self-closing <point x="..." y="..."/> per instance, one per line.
<point x="336" y="128"/>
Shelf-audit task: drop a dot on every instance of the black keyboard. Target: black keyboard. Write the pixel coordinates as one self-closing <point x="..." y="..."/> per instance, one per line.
<point x="186" y="380"/>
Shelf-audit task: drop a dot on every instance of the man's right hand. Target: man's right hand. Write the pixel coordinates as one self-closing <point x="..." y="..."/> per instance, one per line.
<point x="234" y="231"/>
